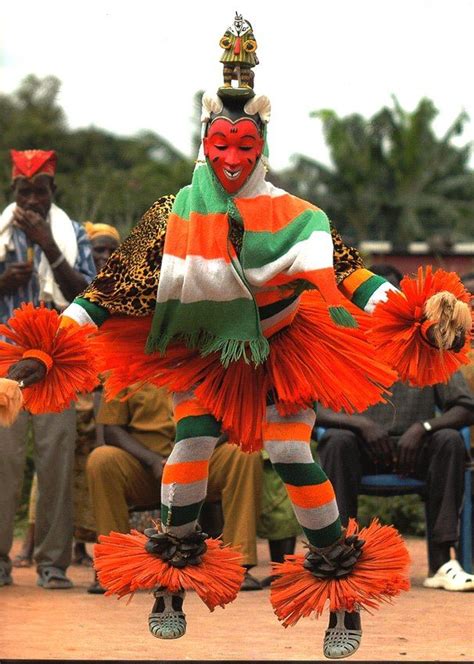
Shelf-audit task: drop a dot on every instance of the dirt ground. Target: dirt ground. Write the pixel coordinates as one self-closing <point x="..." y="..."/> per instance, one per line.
<point x="70" y="624"/>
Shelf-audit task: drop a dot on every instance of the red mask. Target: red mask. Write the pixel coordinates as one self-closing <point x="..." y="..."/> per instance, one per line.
<point x="233" y="150"/>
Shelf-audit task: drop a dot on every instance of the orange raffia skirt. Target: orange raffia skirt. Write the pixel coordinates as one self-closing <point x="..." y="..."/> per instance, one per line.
<point x="310" y="361"/>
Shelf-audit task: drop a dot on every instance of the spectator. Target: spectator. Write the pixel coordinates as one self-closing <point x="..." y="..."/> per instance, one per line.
<point x="44" y="256"/>
<point x="104" y="240"/>
<point x="406" y="437"/>
<point x="126" y="472"/>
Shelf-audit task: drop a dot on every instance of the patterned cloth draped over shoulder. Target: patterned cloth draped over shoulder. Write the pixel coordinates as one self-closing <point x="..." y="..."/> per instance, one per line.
<point x="127" y="284"/>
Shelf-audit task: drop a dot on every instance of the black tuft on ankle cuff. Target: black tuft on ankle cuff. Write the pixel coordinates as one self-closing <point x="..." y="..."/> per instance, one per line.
<point x="336" y="561"/>
<point x="177" y="551"/>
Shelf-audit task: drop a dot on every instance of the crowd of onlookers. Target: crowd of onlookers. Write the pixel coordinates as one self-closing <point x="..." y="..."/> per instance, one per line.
<point x="99" y="463"/>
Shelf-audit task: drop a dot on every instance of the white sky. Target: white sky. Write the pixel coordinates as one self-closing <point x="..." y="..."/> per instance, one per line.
<point x="136" y="64"/>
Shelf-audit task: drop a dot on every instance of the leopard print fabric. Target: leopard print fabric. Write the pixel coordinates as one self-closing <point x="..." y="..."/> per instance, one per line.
<point x="346" y="259"/>
<point x="128" y="283"/>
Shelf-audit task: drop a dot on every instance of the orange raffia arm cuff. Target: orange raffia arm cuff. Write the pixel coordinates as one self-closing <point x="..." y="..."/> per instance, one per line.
<point x="40" y="355"/>
<point x="66" y="352"/>
<point x="400" y="326"/>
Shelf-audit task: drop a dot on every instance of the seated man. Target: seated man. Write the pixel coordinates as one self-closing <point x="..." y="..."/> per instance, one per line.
<point x="126" y="471"/>
<point x="405" y="436"/>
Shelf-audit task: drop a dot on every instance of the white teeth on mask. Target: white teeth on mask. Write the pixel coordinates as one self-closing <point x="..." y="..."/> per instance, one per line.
<point x="232" y="175"/>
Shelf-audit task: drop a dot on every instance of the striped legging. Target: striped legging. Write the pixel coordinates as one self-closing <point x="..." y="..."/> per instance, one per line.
<point x="286" y="439"/>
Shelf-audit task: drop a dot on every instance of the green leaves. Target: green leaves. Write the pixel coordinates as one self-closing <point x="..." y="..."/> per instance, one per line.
<point x="392" y="178"/>
<point x="101" y="176"/>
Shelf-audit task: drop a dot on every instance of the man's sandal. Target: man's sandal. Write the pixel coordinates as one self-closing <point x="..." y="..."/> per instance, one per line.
<point x="250" y="583"/>
<point x="341" y="641"/>
<point x="167" y="620"/>
<point x="95" y="588"/>
<point x="53" y="578"/>
<point x="21" y="560"/>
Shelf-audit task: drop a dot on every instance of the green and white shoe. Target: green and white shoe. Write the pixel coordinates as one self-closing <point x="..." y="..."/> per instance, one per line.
<point x="342" y="638"/>
<point x="167" y="620"/>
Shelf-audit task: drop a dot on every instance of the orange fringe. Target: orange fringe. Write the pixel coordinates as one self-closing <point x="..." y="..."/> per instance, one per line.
<point x="396" y="323"/>
<point x="237" y="398"/>
<point x="312" y="360"/>
<point x="380" y="574"/>
<point x="74" y="367"/>
<point x="123" y="566"/>
<point x="119" y="346"/>
<point x="317" y="361"/>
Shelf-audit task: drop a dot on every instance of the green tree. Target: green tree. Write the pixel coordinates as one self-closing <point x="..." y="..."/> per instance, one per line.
<point x="101" y="176"/>
<point x="115" y="179"/>
<point x="392" y="177"/>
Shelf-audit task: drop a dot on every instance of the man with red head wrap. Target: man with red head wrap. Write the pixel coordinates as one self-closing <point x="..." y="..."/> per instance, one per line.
<point x="44" y="257"/>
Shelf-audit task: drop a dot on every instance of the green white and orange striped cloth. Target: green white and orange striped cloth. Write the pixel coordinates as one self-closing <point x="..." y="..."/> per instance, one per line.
<point x="365" y="289"/>
<point x="287" y="442"/>
<point x="206" y="296"/>
<point x="276" y="306"/>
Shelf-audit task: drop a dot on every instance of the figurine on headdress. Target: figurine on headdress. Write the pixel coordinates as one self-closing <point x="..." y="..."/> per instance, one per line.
<point x="239" y="55"/>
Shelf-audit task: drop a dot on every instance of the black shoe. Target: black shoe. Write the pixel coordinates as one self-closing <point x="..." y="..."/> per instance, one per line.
<point x="95" y="588"/>
<point x="250" y="583"/>
<point x="267" y="581"/>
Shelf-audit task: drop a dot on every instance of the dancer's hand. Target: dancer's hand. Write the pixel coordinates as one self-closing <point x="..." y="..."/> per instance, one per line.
<point x="27" y="371"/>
<point x="451" y="320"/>
<point x="458" y="342"/>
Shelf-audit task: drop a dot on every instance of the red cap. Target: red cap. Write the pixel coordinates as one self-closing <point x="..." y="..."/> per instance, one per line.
<point x="27" y="163"/>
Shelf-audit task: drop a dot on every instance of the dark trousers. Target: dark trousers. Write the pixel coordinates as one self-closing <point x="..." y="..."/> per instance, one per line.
<point x="55" y="441"/>
<point x="440" y="464"/>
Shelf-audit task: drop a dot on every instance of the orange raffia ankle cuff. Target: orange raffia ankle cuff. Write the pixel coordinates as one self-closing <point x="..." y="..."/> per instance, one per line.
<point x="40" y="355"/>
